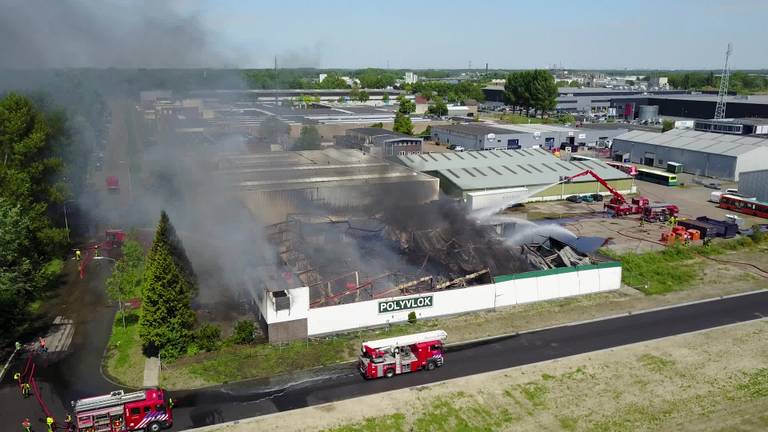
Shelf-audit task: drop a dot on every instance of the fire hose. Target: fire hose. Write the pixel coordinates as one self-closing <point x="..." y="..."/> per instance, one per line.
<point x="29" y="372"/>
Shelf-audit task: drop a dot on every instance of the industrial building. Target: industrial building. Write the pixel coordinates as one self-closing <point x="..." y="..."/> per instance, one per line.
<point x="380" y="142"/>
<point x="475" y="136"/>
<point x="582" y="100"/>
<point x="696" y="106"/>
<point x="701" y="153"/>
<point x="754" y="184"/>
<point x="625" y="104"/>
<point x="533" y="174"/>
<point x="276" y="184"/>
<point x="747" y="126"/>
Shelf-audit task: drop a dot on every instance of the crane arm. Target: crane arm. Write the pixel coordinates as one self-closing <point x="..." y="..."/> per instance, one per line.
<point x="619" y="197"/>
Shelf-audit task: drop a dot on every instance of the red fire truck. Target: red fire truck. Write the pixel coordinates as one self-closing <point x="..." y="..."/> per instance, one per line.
<point x="409" y="353"/>
<point x="119" y="411"/>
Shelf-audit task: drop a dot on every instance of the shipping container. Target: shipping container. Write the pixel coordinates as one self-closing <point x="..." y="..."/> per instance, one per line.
<point x="729" y="229"/>
<point x="706" y="230"/>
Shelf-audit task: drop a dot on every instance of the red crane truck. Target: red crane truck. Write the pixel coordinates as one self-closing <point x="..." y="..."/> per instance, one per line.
<point x="402" y="354"/>
<point x="619" y="206"/>
<point x="119" y="411"/>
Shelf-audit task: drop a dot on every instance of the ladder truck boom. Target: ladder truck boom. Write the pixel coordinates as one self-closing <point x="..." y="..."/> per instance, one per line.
<point x="406" y="340"/>
<point x="616" y="194"/>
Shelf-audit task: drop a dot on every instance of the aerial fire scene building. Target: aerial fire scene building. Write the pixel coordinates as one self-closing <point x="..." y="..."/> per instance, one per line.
<point x="358" y="242"/>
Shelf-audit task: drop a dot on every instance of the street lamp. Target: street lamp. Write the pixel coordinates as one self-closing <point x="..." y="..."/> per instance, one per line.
<point x="119" y="295"/>
<point x="130" y="180"/>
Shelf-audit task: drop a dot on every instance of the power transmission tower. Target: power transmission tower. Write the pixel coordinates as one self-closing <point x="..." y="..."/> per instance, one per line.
<point x="721" y="95"/>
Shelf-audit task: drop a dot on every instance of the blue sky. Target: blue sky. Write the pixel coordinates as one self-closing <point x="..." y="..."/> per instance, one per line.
<point x="506" y="34"/>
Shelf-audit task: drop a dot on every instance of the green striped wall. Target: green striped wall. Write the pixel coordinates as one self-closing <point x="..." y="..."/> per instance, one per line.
<point x="554" y="271"/>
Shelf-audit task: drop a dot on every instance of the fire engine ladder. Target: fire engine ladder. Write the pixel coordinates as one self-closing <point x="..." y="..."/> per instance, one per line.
<point x="406" y="340"/>
<point x="115" y="398"/>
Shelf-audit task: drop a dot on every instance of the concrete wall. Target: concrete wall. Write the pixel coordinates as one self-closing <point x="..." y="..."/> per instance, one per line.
<point x="506" y="291"/>
<point x="754" y="184"/>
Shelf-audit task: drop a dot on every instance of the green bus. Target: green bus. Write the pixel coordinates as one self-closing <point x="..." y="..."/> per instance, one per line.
<point x="660" y="177"/>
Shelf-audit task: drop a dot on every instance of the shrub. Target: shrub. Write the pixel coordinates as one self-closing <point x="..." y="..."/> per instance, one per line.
<point x="412" y="317"/>
<point x="208" y="336"/>
<point x="757" y="235"/>
<point x="244" y="332"/>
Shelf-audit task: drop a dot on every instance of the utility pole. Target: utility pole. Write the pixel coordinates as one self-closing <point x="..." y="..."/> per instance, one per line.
<point x="723" y="93"/>
<point x="276" y="84"/>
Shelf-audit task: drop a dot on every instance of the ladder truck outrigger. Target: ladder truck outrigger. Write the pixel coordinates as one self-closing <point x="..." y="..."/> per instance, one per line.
<point x="619" y="206"/>
<point x="118" y="411"/>
<point x="401" y="354"/>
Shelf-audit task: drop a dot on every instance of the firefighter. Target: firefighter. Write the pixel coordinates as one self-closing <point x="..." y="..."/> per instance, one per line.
<point x="17" y="377"/>
<point x="68" y="423"/>
<point x="25" y="390"/>
<point x="170" y="403"/>
<point x="18" y="346"/>
<point x="50" y="423"/>
<point x="642" y="221"/>
<point x="43" y="349"/>
<point x="26" y="425"/>
<point x="77" y="254"/>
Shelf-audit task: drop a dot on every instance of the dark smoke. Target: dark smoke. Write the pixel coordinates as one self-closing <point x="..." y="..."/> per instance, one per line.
<point x="38" y="34"/>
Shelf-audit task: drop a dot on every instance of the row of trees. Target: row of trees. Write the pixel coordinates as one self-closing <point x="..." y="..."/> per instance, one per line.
<point x="32" y="189"/>
<point x="740" y="82"/>
<point x="453" y="93"/>
<point x="531" y="90"/>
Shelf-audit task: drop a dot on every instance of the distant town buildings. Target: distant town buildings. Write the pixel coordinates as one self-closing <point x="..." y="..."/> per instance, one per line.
<point x="411" y="78"/>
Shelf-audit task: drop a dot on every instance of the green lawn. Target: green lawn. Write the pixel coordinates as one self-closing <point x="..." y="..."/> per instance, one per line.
<point x="674" y="267"/>
<point x="125" y="361"/>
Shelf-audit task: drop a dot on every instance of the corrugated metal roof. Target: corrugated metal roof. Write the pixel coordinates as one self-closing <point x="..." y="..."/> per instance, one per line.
<point x="505" y="168"/>
<point x="705" y="142"/>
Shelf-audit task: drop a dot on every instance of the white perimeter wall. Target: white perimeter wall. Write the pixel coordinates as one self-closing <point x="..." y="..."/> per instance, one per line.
<point x="522" y="288"/>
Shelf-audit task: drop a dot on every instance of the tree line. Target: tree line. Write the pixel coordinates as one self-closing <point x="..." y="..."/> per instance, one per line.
<point x="32" y="192"/>
<point x="740" y="82"/>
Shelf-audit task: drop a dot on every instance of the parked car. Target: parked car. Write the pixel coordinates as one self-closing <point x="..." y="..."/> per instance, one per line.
<point x="597" y="197"/>
<point x="587" y="198"/>
<point x="573" y="198"/>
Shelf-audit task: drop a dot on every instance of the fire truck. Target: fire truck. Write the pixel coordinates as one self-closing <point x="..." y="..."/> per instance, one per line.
<point x="402" y="354"/>
<point x="119" y="411"/>
<point x="620" y="206"/>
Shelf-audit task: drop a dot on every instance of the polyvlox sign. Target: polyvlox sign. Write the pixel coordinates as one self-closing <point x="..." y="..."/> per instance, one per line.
<point x="405" y="304"/>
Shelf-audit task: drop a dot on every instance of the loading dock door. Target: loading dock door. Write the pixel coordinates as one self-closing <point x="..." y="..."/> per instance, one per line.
<point x="649" y="159"/>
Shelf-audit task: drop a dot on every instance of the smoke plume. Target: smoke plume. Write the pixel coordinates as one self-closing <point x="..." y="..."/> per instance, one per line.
<point x="38" y="34"/>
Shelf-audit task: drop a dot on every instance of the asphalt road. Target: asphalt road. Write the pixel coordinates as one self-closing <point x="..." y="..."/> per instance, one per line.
<point x="232" y="402"/>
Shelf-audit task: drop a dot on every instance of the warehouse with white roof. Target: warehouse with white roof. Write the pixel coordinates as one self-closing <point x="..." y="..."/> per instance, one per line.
<point x="701" y="153"/>
<point x="533" y="174"/>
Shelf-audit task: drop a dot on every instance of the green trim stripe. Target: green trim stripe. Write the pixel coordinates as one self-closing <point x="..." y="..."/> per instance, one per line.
<point x="554" y="271"/>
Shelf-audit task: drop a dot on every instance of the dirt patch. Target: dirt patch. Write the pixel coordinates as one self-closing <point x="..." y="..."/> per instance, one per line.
<point x="712" y="380"/>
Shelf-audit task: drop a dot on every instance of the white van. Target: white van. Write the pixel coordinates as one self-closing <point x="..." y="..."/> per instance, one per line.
<point x="715" y="196"/>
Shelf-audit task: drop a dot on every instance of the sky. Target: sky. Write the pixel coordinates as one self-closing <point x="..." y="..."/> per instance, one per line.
<point x="650" y="34"/>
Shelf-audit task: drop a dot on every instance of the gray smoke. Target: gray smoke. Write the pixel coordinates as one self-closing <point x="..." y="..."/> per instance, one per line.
<point x="37" y="34"/>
